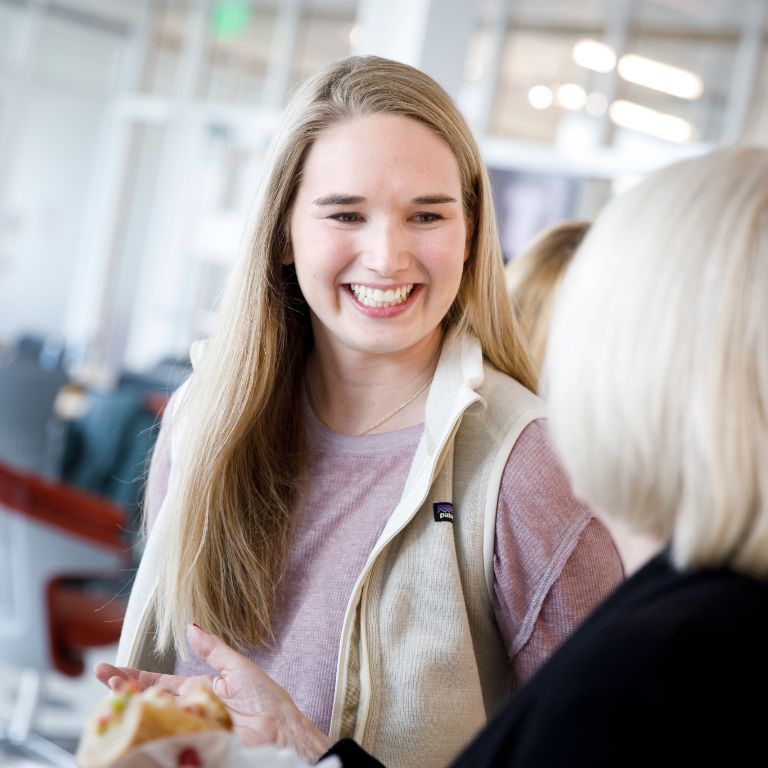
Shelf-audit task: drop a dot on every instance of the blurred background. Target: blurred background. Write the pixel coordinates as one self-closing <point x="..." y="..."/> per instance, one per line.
<point x="132" y="134"/>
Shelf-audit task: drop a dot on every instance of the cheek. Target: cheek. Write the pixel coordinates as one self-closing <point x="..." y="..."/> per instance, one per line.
<point x="445" y="257"/>
<point x="320" y="253"/>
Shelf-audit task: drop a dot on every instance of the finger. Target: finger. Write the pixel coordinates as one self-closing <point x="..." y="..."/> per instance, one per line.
<point x="116" y="677"/>
<point x="217" y="654"/>
<point x="104" y="672"/>
<point x="176" y="684"/>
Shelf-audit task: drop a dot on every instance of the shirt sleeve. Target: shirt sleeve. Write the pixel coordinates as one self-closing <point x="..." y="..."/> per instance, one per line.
<point x="553" y="560"/>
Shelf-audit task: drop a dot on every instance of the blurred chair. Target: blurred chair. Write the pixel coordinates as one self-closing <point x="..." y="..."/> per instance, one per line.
<point x="27" y="394"/>
<point x="62" y="558"/>
<point x="101" y="441"/>
<point x="106" y="449"/>
<point x="47" y="351"/>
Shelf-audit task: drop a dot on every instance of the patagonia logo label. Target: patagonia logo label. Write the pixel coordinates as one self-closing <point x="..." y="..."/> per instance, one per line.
<point x="443" y="512"/>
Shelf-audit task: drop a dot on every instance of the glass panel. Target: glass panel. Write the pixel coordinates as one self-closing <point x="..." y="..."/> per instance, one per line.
<point x="137" y="205"/>
<point x="688" y="47"/>
<point x="229" y="164"/>
<point x="10" y="22"/>
<point x="324" y="36"/>
<point x="540" y="88"/>
<point x="78" y="50"/>
<point x="237" y="56"/>
<point x="757" y="121"/>
<point x="714" y="16"/>
<point x="195" y="220"/>
<point x="565" y="14"/>
<point x="699" y="39"/>
<point x="166" y="36"/>
<point x="45" y="205"/>
<point x="527" y="203"/>
<point x="539" y="85"/>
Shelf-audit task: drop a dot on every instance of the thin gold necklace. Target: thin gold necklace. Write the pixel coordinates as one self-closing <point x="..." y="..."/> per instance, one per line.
<point x="397" y="410"/>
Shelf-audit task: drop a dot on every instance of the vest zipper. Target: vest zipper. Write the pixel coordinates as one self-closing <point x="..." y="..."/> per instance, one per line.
<point x="365" y="670"/>
<point x="362" y="587"/>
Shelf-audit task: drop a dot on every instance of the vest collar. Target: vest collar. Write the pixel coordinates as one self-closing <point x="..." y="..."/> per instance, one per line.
<point x="458" y="375"/>
<point x="452" y="393"/>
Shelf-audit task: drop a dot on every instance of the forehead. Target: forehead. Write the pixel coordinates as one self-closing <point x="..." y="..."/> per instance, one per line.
<point x="381" y="149"/>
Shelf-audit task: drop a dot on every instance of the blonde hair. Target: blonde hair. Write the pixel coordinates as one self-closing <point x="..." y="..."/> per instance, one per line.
<point x="657" y="364"/>
<point x="241" y="467"/>
<point x="534" y="276"/>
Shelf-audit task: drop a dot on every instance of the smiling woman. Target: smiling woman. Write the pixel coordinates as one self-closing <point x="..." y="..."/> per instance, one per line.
<point x="355" y="488"/>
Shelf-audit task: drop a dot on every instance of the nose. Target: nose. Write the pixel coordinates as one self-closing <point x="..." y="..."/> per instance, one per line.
<point x="387" y="249"/>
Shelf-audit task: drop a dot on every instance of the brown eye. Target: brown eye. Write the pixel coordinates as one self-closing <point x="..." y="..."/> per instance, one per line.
<point x="347" y="218"/>
<point x="427" y="218"/>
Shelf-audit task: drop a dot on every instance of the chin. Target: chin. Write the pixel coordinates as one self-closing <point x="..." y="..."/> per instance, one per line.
<point x="372" y="344"/>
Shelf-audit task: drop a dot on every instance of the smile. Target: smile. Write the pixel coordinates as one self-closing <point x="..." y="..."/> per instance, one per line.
<point x="376" y="297"/>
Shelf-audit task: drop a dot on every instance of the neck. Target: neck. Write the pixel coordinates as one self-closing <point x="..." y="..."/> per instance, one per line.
<point x="351" y="392"/>
<point x="635" y="549"/>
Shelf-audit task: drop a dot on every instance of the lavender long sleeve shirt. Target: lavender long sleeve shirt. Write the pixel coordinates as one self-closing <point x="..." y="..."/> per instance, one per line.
<point x="545" y="579"/>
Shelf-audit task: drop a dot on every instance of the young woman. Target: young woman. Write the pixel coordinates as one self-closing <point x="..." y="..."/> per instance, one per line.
<point x="355" y="488"/>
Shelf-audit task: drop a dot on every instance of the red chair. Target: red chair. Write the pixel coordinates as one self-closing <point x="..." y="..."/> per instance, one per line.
<point x="60" y="548"/>
<point x="60" y="541"/>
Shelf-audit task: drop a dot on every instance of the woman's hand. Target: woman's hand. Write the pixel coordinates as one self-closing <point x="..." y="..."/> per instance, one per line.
<point x="262" y="711"/>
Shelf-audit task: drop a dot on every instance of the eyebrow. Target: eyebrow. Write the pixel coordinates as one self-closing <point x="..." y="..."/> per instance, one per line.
<point x="335" y="199"/>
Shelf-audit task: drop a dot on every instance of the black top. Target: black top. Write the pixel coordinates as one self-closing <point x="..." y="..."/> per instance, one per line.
<point x="671" y="669"/>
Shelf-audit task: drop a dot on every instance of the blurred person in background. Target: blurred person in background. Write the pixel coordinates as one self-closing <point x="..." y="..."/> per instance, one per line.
<point x="534" y="276"/>
<point x="657" y="380"/>
<point x="355" y="488"/>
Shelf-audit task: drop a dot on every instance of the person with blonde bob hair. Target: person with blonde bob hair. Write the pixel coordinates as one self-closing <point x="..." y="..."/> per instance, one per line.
<point x="354" y="488"/>
<point x="656" y="375"/>
<point x="534" y="276"/>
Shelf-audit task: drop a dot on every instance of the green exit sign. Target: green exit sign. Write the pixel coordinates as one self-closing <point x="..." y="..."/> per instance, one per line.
<point x="230" y="17"/>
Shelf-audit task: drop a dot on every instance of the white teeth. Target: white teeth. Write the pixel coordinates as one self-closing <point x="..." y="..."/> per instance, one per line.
<point x="376" y="297"/>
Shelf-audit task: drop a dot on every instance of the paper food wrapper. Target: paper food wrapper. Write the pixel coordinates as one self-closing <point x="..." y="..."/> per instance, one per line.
<point x="216" y="749"/>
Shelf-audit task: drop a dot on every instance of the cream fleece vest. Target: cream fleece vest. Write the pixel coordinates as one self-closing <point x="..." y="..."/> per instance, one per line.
<point x="421" y="664"/>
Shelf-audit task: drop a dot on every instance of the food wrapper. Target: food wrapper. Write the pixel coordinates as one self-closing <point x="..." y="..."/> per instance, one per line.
<point x="212" y="749"/>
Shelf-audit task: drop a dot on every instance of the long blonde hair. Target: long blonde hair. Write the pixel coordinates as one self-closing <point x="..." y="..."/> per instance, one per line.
<point x="237" y="480"/>
<point x="533" y="278"/>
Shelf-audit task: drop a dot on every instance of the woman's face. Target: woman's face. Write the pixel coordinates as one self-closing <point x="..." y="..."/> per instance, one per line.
<point x="378" y="235"/>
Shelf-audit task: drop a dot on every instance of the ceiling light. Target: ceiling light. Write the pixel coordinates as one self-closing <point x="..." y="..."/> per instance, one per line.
<point x="540" y="97"/>
<point x="645" y="120"/>
<point x="594" y="55"/>
<point x="355" y="36"/>
<point x="571" y="96"/>
<point x="660" y="77"/>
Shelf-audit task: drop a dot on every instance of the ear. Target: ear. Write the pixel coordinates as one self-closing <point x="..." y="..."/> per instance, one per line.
<point x="287" y="257"/>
